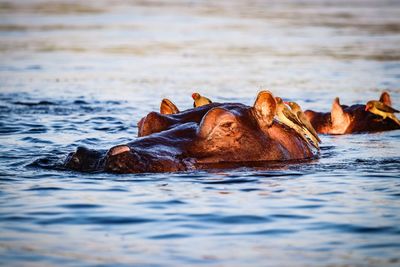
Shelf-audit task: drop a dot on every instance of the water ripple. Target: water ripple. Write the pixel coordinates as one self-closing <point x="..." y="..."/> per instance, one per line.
<point x="80" y="206"/>
<point x="49" y="188"/>
<point x="290" y="216"/>
<point x="40" y="103"/>
<point x="229" y="181"/>
<point x="264" y="233"/>
<point x="355" y="229"/>
<point x="96" y="220"/>
<point x="170" y="236"/>
<point x="233" y="219"/>
<point x="380" y="245"/>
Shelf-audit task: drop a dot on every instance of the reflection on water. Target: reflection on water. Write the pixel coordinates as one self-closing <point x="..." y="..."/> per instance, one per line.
<point x="83" y="73"/>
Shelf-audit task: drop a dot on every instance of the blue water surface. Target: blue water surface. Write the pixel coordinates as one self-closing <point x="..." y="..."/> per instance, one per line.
<point x="76" y="73"/>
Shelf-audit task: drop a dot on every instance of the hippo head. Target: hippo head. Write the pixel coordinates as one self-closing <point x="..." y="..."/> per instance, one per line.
<point x="350" y="119"/>
<point x="210" y="134"/>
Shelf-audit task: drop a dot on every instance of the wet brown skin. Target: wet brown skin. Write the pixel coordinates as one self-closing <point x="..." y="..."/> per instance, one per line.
<point x="350" y="119"/>
<point x="194" y="139"/>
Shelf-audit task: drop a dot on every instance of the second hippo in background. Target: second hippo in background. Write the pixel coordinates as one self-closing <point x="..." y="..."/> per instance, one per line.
<point x="351" y="119"/>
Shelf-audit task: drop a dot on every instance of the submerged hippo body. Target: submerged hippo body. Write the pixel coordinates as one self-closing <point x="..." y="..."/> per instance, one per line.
<point x="350" y="119"/>
<point x="197" y="138"/>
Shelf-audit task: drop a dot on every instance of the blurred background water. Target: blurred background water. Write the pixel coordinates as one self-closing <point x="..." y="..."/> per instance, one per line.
<point x="84" y="72"/>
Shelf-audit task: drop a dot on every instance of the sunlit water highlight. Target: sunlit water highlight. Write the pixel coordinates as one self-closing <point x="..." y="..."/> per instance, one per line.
<point x="75" y="73"/>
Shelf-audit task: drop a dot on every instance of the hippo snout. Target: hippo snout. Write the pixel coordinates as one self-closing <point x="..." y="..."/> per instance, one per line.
<point x="123" y="159"/>
<point x="84" y="159"/>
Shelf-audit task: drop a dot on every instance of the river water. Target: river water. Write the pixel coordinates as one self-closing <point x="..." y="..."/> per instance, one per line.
<point x="83" y="73"/>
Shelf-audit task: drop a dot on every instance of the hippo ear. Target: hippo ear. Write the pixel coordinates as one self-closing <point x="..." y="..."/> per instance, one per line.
<point x="153" y="123"/>
<point x="264" y="108"/>
<point x="385" y="98"/>
<point x="167" y="107"/>
<point x="214" y="120"/>
<point x="339" y="118"/>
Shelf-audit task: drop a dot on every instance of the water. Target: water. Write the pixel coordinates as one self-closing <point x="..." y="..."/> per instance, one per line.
<point x="74" y="73"/>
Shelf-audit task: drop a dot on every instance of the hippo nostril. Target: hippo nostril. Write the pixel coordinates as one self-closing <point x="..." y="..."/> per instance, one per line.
<point x="75" y="160"/>
<point x="118" y="150"/>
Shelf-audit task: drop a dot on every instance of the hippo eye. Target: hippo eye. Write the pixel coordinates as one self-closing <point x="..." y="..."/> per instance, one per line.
<point x="227" y="124"/>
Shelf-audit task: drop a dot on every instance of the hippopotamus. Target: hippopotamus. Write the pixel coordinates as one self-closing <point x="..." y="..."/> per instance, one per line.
<point x="351" y="119"/>
<point x="210" y="135"/>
